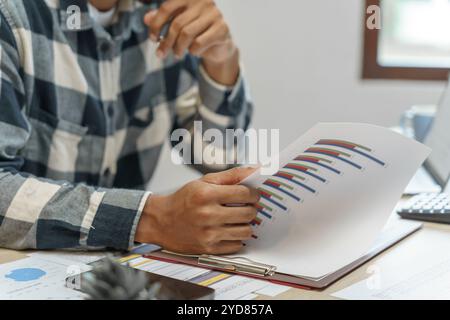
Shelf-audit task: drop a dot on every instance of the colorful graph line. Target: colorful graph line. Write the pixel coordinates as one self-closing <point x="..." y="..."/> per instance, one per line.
<point x="263" y="206"/>
<point x="340" y="155"/>
<point x="262" y="209"/>
<point x="256" y="221"/>
<point x="269" y="196"/>
<point x="291" y="177"/>
<point x="292" y="174"/>
<point x="324" y="163"/>
<point x="305" y="169"/>
<point x="352" y="147"/>
<point x="277" y="185"/>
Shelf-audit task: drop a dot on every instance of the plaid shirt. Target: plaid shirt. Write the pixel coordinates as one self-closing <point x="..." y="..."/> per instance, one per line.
<point x="83" y="117"/>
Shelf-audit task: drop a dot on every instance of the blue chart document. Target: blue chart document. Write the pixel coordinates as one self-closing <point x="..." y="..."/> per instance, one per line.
<point x="34" y="278"/>
<point x="25" y="274"/>
<point x="332" y="195"/>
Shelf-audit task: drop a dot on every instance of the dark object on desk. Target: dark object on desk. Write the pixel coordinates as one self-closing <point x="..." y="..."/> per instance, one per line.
<point x="433" y="207"/>
<point x="110" y="280"/>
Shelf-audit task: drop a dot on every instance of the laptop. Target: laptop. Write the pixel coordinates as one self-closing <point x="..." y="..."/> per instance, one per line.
<point x="434" y="175"/>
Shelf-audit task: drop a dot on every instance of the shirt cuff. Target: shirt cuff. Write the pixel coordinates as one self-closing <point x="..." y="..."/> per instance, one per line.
<point x="115" y="222"/>
<point x="215" y="95"/>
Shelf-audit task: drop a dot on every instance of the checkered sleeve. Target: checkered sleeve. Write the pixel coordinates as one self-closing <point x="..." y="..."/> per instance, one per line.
<point x="216" y="106"/>
<point x="224" y="107"/>
<point x="40" y="213"/>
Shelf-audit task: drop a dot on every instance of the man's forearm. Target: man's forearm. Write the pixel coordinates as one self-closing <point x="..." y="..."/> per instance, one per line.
<point x="91" y="217"/>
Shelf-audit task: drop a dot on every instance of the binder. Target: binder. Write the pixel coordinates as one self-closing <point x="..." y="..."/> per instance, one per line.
<point x="242" y="266"/>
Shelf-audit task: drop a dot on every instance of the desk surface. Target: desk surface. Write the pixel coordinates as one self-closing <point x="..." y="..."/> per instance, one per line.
<point x="430" y="233"/>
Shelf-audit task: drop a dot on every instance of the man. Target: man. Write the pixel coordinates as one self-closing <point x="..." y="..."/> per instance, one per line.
<point x="86" y="103"/>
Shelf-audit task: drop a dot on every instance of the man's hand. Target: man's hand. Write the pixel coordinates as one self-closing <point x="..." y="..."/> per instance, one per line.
<point x="195" y="219"/>
<point x="197" y="26"/>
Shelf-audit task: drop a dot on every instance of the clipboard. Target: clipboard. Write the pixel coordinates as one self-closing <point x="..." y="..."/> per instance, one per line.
<point x="242" y="266"/>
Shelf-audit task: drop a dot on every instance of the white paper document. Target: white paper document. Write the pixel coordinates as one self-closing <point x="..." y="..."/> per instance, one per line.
<point x="332" y="195"/>
<point x="272" y="290"/>
<point x="36" y="279"/>
<point x="69" y="256"/>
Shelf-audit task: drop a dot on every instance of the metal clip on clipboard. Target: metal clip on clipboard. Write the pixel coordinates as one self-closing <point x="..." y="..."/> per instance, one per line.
<point x="237" y="264"/>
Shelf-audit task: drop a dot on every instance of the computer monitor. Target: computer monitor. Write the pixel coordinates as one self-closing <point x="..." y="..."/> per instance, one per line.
<point x="438" y="139"/>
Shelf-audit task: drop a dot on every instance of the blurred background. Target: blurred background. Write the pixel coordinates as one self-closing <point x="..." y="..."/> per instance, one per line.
<point x="314" y="60"/>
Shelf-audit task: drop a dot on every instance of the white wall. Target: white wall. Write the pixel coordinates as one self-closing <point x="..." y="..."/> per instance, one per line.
<point x="303" y="60"/>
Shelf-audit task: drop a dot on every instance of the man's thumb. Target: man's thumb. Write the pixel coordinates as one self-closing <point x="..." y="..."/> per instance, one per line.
<point x="229" y="177"/>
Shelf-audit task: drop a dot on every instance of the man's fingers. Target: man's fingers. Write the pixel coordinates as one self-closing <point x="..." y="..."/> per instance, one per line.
<point x="229" y="177"/>
<point x="226" y="247"/>
<point x="237" y="232"/>
<point x="232" y="215"/>
<point x="176" y="28"/>
<point x="156" y="19"/>
<point x="237" y="194"/>
<point x="190" y="32"/>
<point x="216" y="34"/>
<point x="227" y="195"/>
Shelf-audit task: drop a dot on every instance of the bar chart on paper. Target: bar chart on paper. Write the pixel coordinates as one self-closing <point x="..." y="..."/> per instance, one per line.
<point x="332" y="192"/>
<point x="307" y="174"/>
